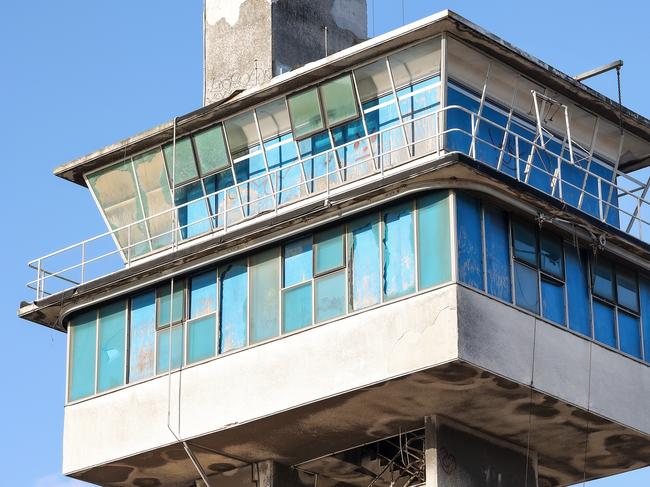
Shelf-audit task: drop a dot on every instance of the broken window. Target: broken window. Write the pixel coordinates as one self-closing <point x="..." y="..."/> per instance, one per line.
<point x="233" y="307"/>
<point x="83" y="346"/>
<point x="434" y="246"/>
<point x="142" y="336"/>
<point x="112" y="346"/>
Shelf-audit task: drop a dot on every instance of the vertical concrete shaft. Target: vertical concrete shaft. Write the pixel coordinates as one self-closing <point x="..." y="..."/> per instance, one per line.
<point x="431" y="450"/>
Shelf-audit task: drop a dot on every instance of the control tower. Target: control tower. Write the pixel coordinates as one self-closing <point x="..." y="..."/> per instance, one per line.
<point x="418" y="259"/>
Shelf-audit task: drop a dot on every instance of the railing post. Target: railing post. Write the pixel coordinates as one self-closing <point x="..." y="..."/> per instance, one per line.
<point x="128" y="246"/>
<point x="83" y="261"/>
<point x="517" y="169"/>
<point x="600" y="198"/>
<point x="472" y="151"/>
<point x="39" y="284"/>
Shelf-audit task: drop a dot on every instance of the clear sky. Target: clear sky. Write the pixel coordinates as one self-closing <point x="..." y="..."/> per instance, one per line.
<point x="78" y="75"/>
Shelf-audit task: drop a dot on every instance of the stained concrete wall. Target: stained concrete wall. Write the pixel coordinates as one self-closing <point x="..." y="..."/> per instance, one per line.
<point x="247" y="42"/>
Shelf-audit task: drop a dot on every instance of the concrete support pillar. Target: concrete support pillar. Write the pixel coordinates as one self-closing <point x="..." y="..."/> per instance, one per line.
<point x="262" y="474"/>
<point x="457" y="456"/>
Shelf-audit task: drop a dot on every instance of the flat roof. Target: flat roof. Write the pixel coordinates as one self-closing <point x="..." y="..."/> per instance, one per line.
<point x="444" y="21"/>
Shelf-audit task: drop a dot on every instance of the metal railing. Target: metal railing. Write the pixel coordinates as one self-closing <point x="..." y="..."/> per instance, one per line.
<point x="621" y="200"/>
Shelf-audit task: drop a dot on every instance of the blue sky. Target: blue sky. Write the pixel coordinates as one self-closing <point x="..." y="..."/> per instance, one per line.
<point x="78" y="75"/>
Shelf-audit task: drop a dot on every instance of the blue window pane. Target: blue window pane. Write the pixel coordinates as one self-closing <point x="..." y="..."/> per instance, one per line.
<point x="354" y="154"/>
<point x="328" y="246"/>
<point x="626" y="290"/>
<point x="83" y="345"/>
<point x="604" y="326"/>
<point x="364" y="260"/>
<point x="142" y="336"/>
<point x="203" y="294"/>
<point x="193" y="215"/>
<point x="112" y="346"/>
<point x="170" y="342"/>
<point x="609" y="194"/>
<point x="553" y="301"/>
<point x="282" y="157"/>
<point x="629" y="334"/>
<point x="644" y="296"/>
<point x="526" y="292"/>
<point x="317" y="162"/>
<point x="223" y="198"/>
<point x="165" y="303"/>
<point x="551" y="255"/>
<point x="201" y="335"/>
<point x="399" y="251"/>
<point x="330" y="296"/>
<point x="497" y="253"/>
<point x="296" y="308"/>
<point x="490" y="136"/>
<point x="603" y="279"/>
<point x="459" y="123"/>
<point x="470" y="245"/>
<point x="434" y="245"/>
<point x="389" y="143"/>
<point x="298" y="265"/>
<point x="233" y="304"/>
<point x="257" y="192"/>
<point x="577" y="283"/>
<point x="265" y="295"/>
<point x="524" y="241"/>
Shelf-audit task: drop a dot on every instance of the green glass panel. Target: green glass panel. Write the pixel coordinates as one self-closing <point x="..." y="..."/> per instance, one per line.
<point x="265" y="294"/>
<point x="201" y="338"/>
<point x="296" y="308"/>
<point x="184" y="166"/>
<point x="339" y="101"/>
<point x="170" y="341"/>
<point x="305" y="113"/>
<point x="164" y="303"/>
<point x="83" y="336"/>
<point x="434" y="244"/>
<point x="211" y="150"/>
<point x="330" y="296"/>
<point x="112" y="346"/>
<point x="328" y="246"/>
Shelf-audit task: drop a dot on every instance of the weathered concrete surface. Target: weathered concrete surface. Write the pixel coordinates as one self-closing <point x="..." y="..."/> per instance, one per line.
<point x="247" y="42"/>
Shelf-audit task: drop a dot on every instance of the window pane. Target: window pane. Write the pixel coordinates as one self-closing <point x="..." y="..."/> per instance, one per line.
<point x="415" y="63"/>
<point x="265" y="295"/>
<point x="626" y="290"/>
<point x="164" y="303"/>
<point x="470" y="246"/>
<point x="203" y="294"/>
<point x="497" y="253"/>
<point x="338" y="100"/>
<point x="524" y="242"/>
<point x="273" y="119"/>
<point x="193" y="216"/>
<point x="201" y="335"/>
<point x="553" y="301"/>
<point x="629" y="334"/>
<point x="83" y="345"/>
<point x="184" y="167"/>
<point x="373" y="80"/>
<point x="330" y="296"/>
<point x="328" y="246"/>
<point x="551" y="255"/>
<point x="603" y="279"/>
<point x="305" y="113"/>
<point x="234" y="301"/>
<point x="297" y="262"/>
<point x="241" y="131"/>
<point x="434" y="246"/>
<point x="645" y="315"/>
<point x="170" y="341"/>
<point x="604" y="326"/>
<point x="142" y="336"/>
<point x="211" y="150"/>
<point x="364" y="259"/>
<point x="112" y="346"/>
<point x="296" y="308"/>
<point x="399" y="251"/>
<point x="578" y="291"/>
<point x="526" y="292"/>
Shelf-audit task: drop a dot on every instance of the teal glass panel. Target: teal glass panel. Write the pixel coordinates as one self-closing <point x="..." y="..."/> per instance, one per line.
<point x="201" y="334"/>
<point x="553" y="301"/>
<point x="626" y="290"/>
<point x="551" y="258"/>
<point x="497" y="253"/>
<point x="629" y="334"/>
<point x="83" y="347"/>
<point x="298" y="265"/>
<point x="223" y="198"/>
<point x="211" y="150"/>
<point x="265" y="295"/>
<point x="165" y="303"/>
<point x="526" y="292"/>
<point x="142" y="336"/>
<point x="354" y="154"/>
<point x="364" y="261"/>
<point x="193" y="216"/>
<point x="184" y="167"/>
<point x="317" y="162"/>
<point x="339" y="101"/>
<point x="328" y="247"/>
<point x="470" y="244"/>
<point x="282" y="157"/>
<point x="112" y="346"/>
<point x="233" y="307"/>
<point x="577" y="283"/>
<point x="330" y="296"/>
<point x="524" y="242"/>
<point x="167" y="342"/>
<point x="603" y="279"/>
<point x="604" y="323"/>
<point x="434" y="245"/>
<point x="305" y="111"/>
<point x="296" y="308"/>
<point x="203" y="294"/>
<point x="644" y="296"/>
<point x="399" y="251"/>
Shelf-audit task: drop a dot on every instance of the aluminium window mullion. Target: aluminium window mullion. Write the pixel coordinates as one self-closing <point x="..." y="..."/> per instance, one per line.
<point x="380" y="228"/>
<point x="234" y="179"/>
<point x="362" y="115"/>
<point x="399" y="109"/>
<point x="297" y="146"/>
<point x="138" y="195"/>
<point x="484" y="247"/>
<point x="416" y="242"/>
<point x="266" y="162"/>
<point x="96" y="388"/>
